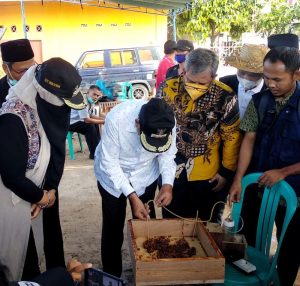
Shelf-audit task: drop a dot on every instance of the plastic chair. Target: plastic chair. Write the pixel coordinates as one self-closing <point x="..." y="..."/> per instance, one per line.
<point x="126" y="91"/>
<point x="260" y="254"/>
<point x="70" y="143"/>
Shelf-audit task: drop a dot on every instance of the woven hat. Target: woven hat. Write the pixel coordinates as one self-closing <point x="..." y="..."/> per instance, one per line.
<point x="249" y="58"/>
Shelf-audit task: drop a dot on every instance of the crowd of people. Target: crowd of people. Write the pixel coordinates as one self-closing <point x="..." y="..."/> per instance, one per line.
<point x="195" y="141"/>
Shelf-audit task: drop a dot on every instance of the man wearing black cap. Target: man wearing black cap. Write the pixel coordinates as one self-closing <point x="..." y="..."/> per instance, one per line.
<point x="17" y="57"/>
<point x="183" y="47"/>
<point x="35" y="120"/>
<point x="166" y="62"/>
<point x="137" y="145"/>
<point x="271" y="145"/>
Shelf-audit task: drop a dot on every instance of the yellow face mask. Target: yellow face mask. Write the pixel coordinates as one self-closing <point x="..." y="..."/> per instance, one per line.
<point x="195" y="90"/>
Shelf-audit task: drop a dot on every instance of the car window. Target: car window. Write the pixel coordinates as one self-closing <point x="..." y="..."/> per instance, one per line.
<point x="116" y="58"/>
<point x="93" y="60"/>
<point x="122" y="58"/>
<point x="129" y="57"/>
<point x="148" y="55"/>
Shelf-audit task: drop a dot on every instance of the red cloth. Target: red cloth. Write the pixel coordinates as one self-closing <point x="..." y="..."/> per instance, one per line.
<point x="164" y="65"/>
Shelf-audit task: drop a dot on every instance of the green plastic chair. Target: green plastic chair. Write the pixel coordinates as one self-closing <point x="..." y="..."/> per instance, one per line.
<point x="70" y="143"/>
<point x="260" y="254"/>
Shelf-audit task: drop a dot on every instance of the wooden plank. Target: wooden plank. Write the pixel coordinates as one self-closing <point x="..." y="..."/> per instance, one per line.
<point x="207" y="241"/>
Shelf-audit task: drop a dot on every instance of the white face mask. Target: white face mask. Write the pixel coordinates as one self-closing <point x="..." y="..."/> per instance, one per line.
<point x="248" y="84"/>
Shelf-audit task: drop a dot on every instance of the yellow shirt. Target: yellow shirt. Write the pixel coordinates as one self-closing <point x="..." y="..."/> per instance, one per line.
<point x="208" y="134"/>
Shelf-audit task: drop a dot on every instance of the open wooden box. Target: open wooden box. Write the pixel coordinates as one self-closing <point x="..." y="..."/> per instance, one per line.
<point x="207" y="266"/>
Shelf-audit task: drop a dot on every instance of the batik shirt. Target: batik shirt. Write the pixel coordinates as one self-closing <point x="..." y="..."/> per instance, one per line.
<point x="208" y="134"/>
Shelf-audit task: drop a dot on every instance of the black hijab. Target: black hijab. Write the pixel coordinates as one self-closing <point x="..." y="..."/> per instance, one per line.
<point x="55" y="121"/>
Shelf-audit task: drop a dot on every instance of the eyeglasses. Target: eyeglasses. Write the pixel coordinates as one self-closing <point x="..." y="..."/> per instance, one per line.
<point x="20" y="71"/>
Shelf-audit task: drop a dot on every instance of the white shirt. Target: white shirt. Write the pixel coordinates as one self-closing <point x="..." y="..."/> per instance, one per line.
<point x="78" y="115"/>
<point x="122" y="165"/>
<point x="244" y="97"/>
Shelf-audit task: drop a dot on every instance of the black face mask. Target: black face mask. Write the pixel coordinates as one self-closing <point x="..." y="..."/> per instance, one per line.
<point x="56" y="122"/>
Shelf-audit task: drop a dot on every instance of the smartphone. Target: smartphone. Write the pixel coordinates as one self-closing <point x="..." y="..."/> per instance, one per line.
<point x="96" y="277"/>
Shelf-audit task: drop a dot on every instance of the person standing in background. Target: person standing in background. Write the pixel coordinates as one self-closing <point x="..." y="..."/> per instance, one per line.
<point x="166" y="62"/>
<point x="183" y="47"/>
<point x="249" y="77"/>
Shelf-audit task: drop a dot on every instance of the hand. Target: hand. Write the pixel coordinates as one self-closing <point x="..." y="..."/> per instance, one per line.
<point x="271" y="177"/>
<point x="48" y="199"/>
<point x="164" y="196"/>
<point x="52" y="194"/>
<point x="221" y="181"/>
<point x="76" y="269"/>
<point x="35" y="210"/>
<point x="138" y="208"/>
<point x="235" y="191"/>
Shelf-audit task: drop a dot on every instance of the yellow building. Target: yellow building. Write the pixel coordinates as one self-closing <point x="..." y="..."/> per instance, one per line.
<point x="67" y="29"/>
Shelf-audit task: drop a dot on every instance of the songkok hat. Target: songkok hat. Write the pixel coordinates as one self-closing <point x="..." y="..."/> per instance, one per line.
<point x="249" y="58"/>
<point x="283" y="40"/>
<point x="156" y="120"/>
<point x="16" y="51"/>
<point x="61" y="78"/>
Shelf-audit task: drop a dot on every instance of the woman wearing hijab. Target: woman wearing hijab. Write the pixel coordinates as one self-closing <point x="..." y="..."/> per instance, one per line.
<point x="34" y="122"/>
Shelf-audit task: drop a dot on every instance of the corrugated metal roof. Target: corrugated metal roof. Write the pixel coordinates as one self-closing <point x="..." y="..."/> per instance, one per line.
<point x="154" y="4"/>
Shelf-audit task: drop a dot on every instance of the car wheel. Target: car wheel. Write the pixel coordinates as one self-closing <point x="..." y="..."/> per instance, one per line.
<point x="139" y="91"/>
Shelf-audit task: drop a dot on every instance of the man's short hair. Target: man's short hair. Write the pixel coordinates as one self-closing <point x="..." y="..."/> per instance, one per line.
<point x="200" y="59"/>
<point x="290" y="57"/>
<point x="93" y="86"/>
<point x="169" y="47"/>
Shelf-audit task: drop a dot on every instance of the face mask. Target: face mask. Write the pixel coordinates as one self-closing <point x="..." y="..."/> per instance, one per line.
<point x="12" y="82"/>
<point x="195" y="90"/>
<point x="90" y="100"/>
<point x="180" y="58"/>
<point x="248" y="84"/>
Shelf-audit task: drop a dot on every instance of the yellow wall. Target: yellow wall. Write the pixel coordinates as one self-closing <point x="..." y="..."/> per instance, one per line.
<point x="68" y="30"/>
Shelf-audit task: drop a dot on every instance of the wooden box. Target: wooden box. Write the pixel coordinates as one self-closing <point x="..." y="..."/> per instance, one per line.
<point x="232" y="245"/>
<point x="207" y="266"/>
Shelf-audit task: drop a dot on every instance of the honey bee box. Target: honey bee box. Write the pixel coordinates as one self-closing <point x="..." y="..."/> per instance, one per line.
<point x="206" y="266"/>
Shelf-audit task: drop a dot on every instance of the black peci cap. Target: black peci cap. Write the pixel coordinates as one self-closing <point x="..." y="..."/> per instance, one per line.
<point x="156" y="123"/>
<point x="61" y="79"/>
<point x="283" y="40"/>
<point x="16" y="51"/>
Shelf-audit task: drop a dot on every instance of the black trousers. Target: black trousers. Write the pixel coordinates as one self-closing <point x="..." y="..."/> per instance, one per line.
<point x="53" y="239"/>
<point x="53" y="244"/>
<point x="289" y="256"/>
<point x="113" y="219"/>
<point x="192" y="196"/>
<point x="91" y="133"/>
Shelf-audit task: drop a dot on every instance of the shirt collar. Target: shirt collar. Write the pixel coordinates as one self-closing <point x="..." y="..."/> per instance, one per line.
<point x="131" y="125"/>
<point x="253" y="90"/>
